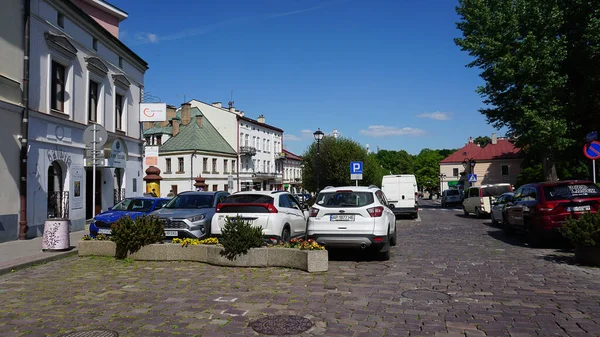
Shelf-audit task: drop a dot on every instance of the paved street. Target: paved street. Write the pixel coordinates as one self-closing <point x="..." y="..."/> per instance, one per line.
<point x="471" y="281"/>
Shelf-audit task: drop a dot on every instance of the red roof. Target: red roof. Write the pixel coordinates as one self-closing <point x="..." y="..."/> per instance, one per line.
<point x="503" y="149"/>
<point x="289" y="155"/>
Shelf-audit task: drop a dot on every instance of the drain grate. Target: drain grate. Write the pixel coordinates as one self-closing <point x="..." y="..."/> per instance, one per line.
<point x="426" y="295"/>
<point x="92" y="333"/>
<point x="281" y="325"/>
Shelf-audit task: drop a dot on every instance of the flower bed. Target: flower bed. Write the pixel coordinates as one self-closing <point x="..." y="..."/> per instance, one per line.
<point x="299" y="254"/>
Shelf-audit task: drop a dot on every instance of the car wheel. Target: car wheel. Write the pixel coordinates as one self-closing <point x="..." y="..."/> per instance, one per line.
<point x="285" y="234"/>
<point x="393" y="239"/>
<point x="478" y="213"/>
<point x="465" y="211"/>
<point x="494" y="222"/>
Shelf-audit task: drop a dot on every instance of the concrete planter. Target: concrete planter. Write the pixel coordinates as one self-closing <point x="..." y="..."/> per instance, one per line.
<point x="307" y="260"/>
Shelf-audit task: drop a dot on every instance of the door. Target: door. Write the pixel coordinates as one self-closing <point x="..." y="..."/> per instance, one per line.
<point x="389" y="214"/>
<point x="88" y="192"/>
<point x="297" y="219"/>
<point x="514" y="211"/>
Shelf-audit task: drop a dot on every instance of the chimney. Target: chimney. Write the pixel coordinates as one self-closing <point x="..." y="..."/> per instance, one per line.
<point x="171" y="113"/>
<point x="261" y="119"/>
<point x="199" y="120"/>
<point x="217" y="104"/>
<point x="185" y="113"/>
<point x="494" y="139"/>
<point x="148" y="125"/>
<point x="242" y="113"/>
<point x="175" y="128"/>
<point x="231" y="109"/>
<point x="470" y="140"/>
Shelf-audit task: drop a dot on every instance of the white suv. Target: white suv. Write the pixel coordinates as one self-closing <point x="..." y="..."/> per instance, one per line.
<point x="353" y="217"/>
<point x="278" y="213"/>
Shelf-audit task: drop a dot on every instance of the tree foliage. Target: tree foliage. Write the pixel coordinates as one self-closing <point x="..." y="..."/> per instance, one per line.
<point x="540" y="63"/>
<point x="482" y="141"/>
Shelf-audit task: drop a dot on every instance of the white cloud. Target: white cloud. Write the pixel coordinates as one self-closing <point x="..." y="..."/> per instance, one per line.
<point x="291" y="138"/>
<point x="439" y="116"/>
<point x="306" y="132"/>
<point x="384" y="131"/>
<point x="142" y="38"/>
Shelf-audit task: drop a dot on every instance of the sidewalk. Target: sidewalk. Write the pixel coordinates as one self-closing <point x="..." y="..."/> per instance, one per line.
<point x="24" y="253"/>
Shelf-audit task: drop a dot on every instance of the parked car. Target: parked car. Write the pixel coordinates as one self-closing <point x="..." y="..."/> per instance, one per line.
<point x="498" y="213"/>
<point x="451" y="197"/>
<point x="131" y="207"/>
<point x="353" y="217"/>
<point x="402" y="192"/>
<point x="189" y="214"/>
<point x="542" y="208"/>
<point x="479" y="199"/>
<point x="279" y="213"/>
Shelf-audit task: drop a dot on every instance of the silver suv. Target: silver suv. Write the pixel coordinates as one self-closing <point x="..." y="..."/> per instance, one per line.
<point x="189" y="214"/>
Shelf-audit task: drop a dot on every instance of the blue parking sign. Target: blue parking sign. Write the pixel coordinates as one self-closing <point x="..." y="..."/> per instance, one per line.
<point x="356" y="167"/>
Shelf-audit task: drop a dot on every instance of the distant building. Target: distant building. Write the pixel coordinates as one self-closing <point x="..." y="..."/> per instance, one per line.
<point x="497" y="162"/>
<point x="292" y="172"/>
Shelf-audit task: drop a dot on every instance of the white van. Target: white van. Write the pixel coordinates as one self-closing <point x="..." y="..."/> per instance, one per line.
<point x="401" y="191"/>
<point x="479" y="199"/>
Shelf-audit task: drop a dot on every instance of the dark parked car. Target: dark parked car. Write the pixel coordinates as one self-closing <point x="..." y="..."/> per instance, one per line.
<point x="189" y="214"/>
<point x="131" y="207"/>
<point x="542" y="208"/>
<point x="498" y="213"/>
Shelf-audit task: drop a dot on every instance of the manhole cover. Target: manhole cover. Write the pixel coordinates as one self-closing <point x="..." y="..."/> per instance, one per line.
<point x="281" y="325"/>
<point x="92" y="333"/>
<point x="426" y="295"/>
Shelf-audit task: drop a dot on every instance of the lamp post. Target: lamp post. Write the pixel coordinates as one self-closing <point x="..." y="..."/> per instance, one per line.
<point x="318" y="136"/>
<point x="470" y="163"/>
<point x="442" y="176"/>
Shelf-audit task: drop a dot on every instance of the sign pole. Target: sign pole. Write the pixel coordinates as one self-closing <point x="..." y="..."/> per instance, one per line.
<point x="594" y="169"/>
<point x="94" y="173"/>
<point x="356" y="182"/>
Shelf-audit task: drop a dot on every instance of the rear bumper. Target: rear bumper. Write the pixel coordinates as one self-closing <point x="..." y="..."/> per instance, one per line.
<point x="355" y="241"/>
<point x="406" y="210"/>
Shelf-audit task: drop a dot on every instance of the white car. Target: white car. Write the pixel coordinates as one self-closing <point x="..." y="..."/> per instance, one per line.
<point x="278" y="213"/>
<point x="353" y="217"/>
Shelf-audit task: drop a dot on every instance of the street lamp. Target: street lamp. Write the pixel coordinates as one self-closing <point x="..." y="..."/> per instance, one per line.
<point x="318" y="136"/>
<point x="442" y="176"/>
<point x="470" y="163"/>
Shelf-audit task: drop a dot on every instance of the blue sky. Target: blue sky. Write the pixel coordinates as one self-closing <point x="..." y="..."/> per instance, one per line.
<point x="382" y="72"/>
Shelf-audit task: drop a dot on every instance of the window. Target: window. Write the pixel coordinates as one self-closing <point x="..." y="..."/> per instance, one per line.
<point x="180" y="161"/>
<point x="60" y="20"/>
<point x="205" y="165"/>
<point x="93" y="102"/>
<point x="264" y="145"/>
<point x="225" y="166"/>
<point x="174" y="189"/>
<point x="118" y="112"/>
<point x="269" y="146"/>
<point x="168" y="160"/>
<point x="158" y="140"/>
<point x="57" y="94"/>
<point x="455" y="172"/>
<point x="134" y="185"/>
<point x="504" y="170"/>
<point x="268" y="169"/>
<point x="120" y="62"/>
<point x="215" y="188"/>
<point x="214" y="165"/>
<point x="226" y="188"/>
<point x="246" y="140"/>
<point x="95" y="43"/>
<point x="233" y="166"/>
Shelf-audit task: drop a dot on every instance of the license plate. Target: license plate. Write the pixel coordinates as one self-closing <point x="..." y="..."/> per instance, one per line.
<point x="578" y="208"/>
<point x="341" y="217"/>
<point x="170" y="233"/>
<point x="103" y="231"/>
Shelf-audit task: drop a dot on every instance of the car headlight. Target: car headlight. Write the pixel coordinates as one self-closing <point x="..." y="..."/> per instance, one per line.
<point x="196" y="218"/>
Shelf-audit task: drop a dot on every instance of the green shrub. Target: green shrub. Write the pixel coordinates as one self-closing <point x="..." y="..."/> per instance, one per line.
<point x="131" y="235"/>
<point x="238" y="236"/>
<point x="583" y="232"/>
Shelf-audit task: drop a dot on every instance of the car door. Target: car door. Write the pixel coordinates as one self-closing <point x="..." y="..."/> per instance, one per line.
<point x="514" y="210"/>
<point x="294" y="216"/>
<point x="390" y="216"/>
<point x="300" y="216"/>
<point x="497" y="207"/>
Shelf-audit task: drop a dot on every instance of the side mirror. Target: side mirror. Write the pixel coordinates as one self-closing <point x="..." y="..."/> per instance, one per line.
<point x="305" y="207"/>
<point x="391" y="206"/>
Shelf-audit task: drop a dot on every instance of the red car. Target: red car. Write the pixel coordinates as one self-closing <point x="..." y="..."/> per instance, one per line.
<point x="542" y="208"/>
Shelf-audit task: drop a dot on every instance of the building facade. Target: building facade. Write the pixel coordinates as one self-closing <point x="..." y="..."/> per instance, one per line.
<point x="191" y="147"/>
<point x="11" y="108"/>
<point x="81" y="74"/>
<point x="292" y="172"/>
<point x="497" y="162"/>
<point x="258" y="145"/>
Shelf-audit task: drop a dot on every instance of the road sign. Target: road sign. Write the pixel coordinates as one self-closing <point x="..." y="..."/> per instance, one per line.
<point x="592" y="150"/>
<point x="472" y="178"/>
<point x="356" y="170"/>
<point x="590" y="137"/>
<point x="101" y="136"/>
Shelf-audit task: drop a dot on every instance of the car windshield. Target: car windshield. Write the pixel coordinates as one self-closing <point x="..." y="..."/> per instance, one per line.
<point x="452" y="192"/>
<point x="191" y="201"/>
<point x="134" y="205"/>
<point x="344" y="199"/>
<point x="248" y="199"/>
<point x="494" y="191"/>
<point x="570" y="191"/>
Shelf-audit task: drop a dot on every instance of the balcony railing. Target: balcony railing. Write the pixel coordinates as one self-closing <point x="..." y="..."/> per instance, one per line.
<point x="265" y="175"/>
<point x="58" y="205"/>
<point x="247" y="150"/>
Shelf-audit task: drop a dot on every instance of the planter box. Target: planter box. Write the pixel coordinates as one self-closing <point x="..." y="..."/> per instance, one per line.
<point x="307" y="260"/>
<point x="589" y="256"/>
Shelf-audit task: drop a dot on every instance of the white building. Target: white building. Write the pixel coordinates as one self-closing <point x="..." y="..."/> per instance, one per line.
<point x="11" y="108"/>
<point x="258" y="144"/>
<point x="292" y="172"/>
<point x="190" y="147"/>
<point x="80" y="74"/>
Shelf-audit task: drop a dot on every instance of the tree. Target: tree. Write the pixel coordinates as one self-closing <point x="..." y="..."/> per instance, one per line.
<point x="395" y="162"/>
<point x="334" y="160"/>
<point x="482" y="141"/>
<point x="521" y="47"/>
<point x="427" y="168"/>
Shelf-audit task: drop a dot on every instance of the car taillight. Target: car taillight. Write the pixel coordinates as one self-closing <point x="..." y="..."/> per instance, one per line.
<point x="313" y="212"/>
<point x="375" y="212"/>
<point x="272" y="208"/>
<point x="546" y="207"/>
<point x="219" y="206"/>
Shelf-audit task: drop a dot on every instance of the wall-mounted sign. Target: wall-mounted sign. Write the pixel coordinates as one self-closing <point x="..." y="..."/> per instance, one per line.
<point x="118" y="154"/>
<point x="58" y="133"/>
<point x="151" y="155"/>
<point x="153" y="112"/>
<point x="77" y="179"/>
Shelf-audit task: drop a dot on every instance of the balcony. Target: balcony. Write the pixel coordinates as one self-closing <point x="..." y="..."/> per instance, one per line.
<point x="247" y="151"/>
<point x="265" y="175"/>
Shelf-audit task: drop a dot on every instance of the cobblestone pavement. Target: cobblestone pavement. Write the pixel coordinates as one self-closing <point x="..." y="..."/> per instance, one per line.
<point x="475" y="282"/>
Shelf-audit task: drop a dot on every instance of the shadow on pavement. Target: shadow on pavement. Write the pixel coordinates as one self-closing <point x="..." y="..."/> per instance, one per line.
<point x="337" y="254"/>
<point x="516" y="240"/>
<point x="561" y="258"/>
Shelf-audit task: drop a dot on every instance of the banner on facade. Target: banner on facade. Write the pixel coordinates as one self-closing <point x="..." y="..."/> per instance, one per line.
<point x="118" y="154"/>
<point x="77" y="179"/>
<point x="153" y="112"/>
<point x="151" y="155"/>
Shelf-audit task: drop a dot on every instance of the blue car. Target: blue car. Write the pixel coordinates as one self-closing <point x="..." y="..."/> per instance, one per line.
<point x="131" y="207"/>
